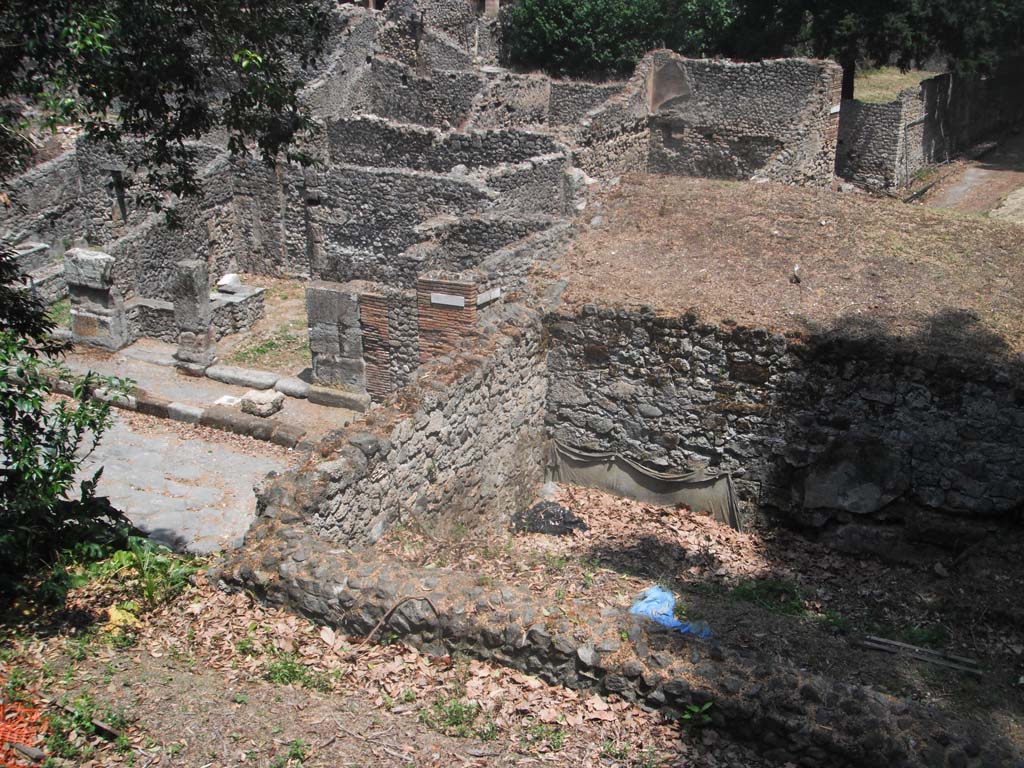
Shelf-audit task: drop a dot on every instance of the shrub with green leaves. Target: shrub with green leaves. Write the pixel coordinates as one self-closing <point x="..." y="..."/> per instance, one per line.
<point x="44" y="439"/>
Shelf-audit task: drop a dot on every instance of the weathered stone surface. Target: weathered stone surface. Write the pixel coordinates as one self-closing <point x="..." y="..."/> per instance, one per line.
<point x="338" y="398"/>
<point x="262" y="402"/>
<point x="242" y="377"/>
<point x="818" y="429"/>
<point x="190" y="414"/>
<point x="857" y="475"/>
<point x="292" y="387"/>
<point x="192" y="311"/>
<point x="89" y="269"/>
<point x="233" y="420"/>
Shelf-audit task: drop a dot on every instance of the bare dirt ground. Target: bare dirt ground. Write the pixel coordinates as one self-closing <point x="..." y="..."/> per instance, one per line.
<point x="214" y="680"/>
<point x="866" y="265"/>
<point x="279" y="341"/>
<point x="777" y="594"/>
<point x="991" y="184"/>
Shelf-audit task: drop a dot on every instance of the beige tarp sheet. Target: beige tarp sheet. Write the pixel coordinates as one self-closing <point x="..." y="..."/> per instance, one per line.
<point x="701" y="490"/>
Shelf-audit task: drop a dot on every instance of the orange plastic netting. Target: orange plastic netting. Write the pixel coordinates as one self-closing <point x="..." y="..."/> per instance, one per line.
<point x="19" y="724"/>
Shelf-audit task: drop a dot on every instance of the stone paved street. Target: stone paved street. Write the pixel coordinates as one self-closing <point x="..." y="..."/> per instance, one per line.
<point x="188" y="487"/>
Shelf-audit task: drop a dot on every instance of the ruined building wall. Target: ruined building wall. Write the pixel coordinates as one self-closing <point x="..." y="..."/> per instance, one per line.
<point x="43" y="205"/>
<point x="823" y="430"/>
<point x="372" y="141"/>
<point x="882" y="146"/>
<point x="723" y="119"/>
<point x="472" y="447"/>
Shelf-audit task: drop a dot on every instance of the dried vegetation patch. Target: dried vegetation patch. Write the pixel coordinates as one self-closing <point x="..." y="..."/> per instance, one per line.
<point x="804" y="260"/>
<point x="771" y="593"/>
<point x="279" y="341"/>
<point x="211" y="679"/>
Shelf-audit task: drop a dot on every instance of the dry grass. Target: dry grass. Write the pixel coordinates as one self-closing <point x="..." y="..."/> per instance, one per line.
<point x="885" y="83"/>
<point x="868" y="266"/>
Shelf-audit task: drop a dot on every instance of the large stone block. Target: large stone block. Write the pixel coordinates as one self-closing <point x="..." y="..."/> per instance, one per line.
<point x="108" y="331"/>
<point x="341" y="372"/>
<point x="89" y="269"/>
<point x="192" y="308"/>
<point x="330" y="303"/>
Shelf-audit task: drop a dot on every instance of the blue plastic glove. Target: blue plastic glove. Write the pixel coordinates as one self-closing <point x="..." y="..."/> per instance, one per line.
<point x="660" y="605"/>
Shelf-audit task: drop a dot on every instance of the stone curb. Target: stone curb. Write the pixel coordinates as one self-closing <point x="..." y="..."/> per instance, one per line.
<point x="291" y="386"/>
<point x="337" y="398"/>
<point x="242" y="377"/>
<point x="216" y="417"/>
<point x="791" y="715"/>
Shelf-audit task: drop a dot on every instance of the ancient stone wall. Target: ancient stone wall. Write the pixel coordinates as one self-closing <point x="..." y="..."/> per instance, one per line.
<point x="824" y="430"/>
<point x="794" y="716"/>
<point x="365" y="219"/>
<point x="441" y="99"/>
<point x="340" y="88"/>
<point x="535" y="186"/>
<point x="43" y="205"/>
<point x="571" y="100"/>
<point x="882" y="146"/>
<point x="869" y="143"/>
<point x="372" y="141"/>
<point x="473" y="445"/>
<point x="722" y="119"/>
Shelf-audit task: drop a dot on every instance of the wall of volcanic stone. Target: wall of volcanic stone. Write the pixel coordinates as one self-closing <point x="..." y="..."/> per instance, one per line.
<point x="721" y="119"/>
<point x="471" y="451"/>
<point x="42" y="205"/>
<point x="823" y="430"/>
<point x="882" y="146"/>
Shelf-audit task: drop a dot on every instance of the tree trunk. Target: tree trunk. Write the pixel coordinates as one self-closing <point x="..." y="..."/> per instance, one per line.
<point x="849" y="72"/>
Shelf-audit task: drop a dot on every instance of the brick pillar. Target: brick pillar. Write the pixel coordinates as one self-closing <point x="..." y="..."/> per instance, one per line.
<point x="373" y="318"/>
<point x="447" y="313"/>
<point x="97" y="306"/>
<point x="335" y="336"/>
<point x="193" y="315"/>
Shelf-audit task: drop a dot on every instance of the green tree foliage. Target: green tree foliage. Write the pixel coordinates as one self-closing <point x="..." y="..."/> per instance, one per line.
<point x="162" y="71"/>
<point x="597" y="37"/>
<point x="43" y="439"/>
<point x="973" y="34"/>
<point x="607" y="37"/>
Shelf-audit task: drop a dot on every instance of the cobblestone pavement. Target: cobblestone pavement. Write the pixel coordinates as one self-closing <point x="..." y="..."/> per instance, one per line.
<point x="188" y="487"/>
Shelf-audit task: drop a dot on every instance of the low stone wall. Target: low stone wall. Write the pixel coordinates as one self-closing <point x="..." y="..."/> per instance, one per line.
<point x="825" y="430"/>
<point x="231" y="313"/>
<point x="571" y="100"/>
<point x="474" y="444"/>
<point x="793" y="716"/>
<point x="464" y="243"/>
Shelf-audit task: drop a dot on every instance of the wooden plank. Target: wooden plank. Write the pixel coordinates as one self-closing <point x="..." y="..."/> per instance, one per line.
<point x="921" y="657"/>
<point x="943" y="654"/>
